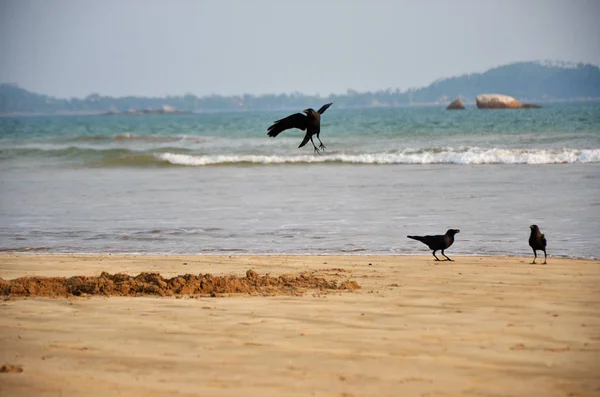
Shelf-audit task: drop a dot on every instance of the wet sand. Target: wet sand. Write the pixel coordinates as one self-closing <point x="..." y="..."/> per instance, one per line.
<point x="488" y="326"/>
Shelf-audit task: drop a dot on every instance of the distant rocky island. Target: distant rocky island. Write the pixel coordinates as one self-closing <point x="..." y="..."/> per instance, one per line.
<point x="493" y="101"/>
<point x="499" y="101"/>
<point x="531" y="82"/>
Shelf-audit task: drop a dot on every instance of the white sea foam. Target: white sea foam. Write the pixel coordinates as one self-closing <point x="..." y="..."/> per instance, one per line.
<point x="430" y="156"/>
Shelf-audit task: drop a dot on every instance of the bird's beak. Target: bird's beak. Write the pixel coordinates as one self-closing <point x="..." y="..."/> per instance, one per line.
<point x="305" y="111"/>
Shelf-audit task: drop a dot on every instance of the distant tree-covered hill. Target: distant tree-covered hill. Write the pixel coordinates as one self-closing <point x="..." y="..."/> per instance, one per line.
<point x="526" y="81"/>
<point x="523" y="80"/>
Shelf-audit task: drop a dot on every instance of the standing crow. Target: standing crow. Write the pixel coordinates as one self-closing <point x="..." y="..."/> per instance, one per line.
<point x="311" y="123"/>
<point x="440" y="242"/>
<point x="537" y="241"/>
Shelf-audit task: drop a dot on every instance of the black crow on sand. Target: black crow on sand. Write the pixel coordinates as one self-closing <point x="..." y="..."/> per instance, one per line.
<point x="439" y="242"/>
<point x="537" y="241"/>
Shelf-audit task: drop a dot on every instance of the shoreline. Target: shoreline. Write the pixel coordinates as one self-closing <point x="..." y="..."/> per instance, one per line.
<point x="410" y="256"/>
<point x="475" y="326"/>
<point x="13" y="265"/>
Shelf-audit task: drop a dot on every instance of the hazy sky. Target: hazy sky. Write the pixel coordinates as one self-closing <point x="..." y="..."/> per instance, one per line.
<point x="155" y="48"/>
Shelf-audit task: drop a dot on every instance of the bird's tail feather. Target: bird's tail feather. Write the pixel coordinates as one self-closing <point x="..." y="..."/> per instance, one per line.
<point x="304" y="141"/>
<point x="418" y="238"/>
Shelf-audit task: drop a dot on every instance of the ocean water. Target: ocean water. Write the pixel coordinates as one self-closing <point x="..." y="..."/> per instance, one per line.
<point x="216" y="184"/>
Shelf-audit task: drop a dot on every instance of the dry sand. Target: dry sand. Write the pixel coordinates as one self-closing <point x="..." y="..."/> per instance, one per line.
<point x="488" y="326"/>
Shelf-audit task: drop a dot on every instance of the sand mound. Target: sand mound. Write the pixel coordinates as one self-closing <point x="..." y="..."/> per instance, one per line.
<point x="11" y="368"/>
<point x="154" y="284"/>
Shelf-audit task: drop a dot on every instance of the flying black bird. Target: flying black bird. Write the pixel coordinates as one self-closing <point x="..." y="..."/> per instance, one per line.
<point x="439" y="242"/>
<point x="537" y="241"/>
<point x="311" y="122"/>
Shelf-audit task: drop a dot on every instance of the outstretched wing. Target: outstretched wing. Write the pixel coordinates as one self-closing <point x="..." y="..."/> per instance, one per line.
<point x="324" y="108"/>
<point x="297" y="120"/>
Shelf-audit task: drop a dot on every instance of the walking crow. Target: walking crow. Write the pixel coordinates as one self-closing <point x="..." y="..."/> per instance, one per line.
<point x="439" y="242"/>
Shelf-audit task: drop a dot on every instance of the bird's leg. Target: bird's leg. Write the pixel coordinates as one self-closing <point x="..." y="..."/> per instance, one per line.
<point x="436" y="258"/>
<point x="323" y="147"/>
<point x="315" y="146"/>
<point x="446" y="256"/>
<point x="534" y="257"/>
<point x="544" y="257"/>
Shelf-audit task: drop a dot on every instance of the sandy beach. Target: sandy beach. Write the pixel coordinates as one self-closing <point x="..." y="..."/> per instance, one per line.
<point x="479" y="326"/>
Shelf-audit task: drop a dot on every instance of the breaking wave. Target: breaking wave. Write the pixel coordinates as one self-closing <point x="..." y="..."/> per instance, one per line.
<point x="429" y="156"/>
<point x="176" y="156"/>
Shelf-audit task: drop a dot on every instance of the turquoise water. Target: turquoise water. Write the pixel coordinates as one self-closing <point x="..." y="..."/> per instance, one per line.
<point x="215" y="183"/>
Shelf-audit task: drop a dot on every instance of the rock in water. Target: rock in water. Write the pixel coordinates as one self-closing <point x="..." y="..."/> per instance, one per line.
<point x="497" y="101"/>
<point x="456" y="105"/>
